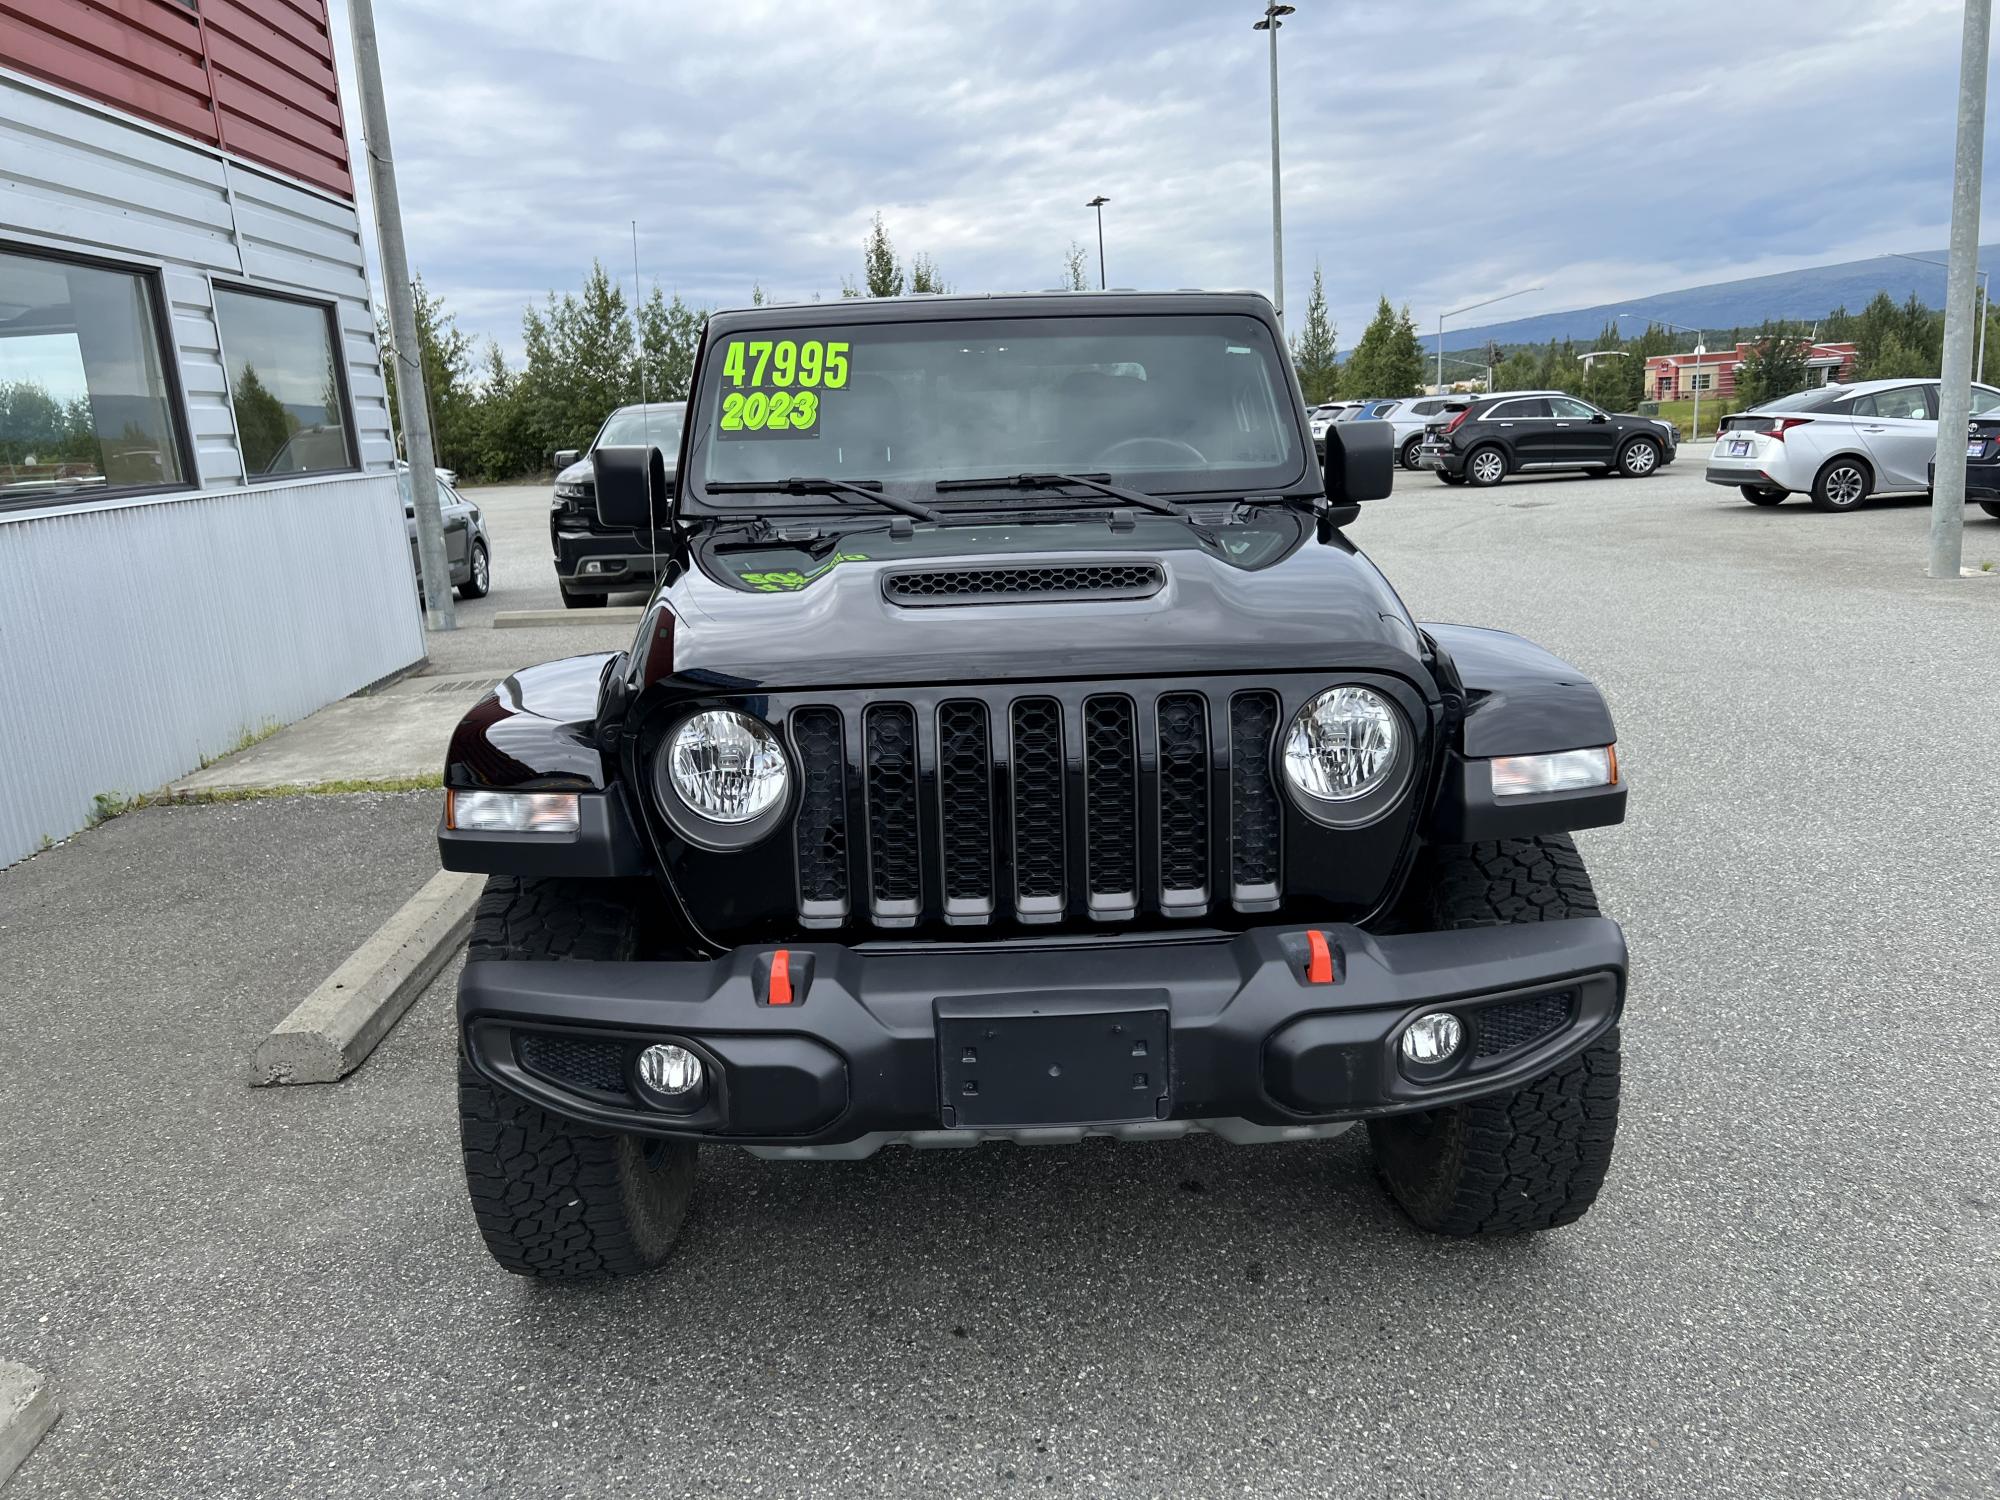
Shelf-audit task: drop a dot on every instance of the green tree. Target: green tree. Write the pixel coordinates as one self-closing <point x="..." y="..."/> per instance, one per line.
<point x="1895" y="359"/>
<point x="505" y="445"/>
<point x="925" y="276"/>
<point x="579" y="350"/>
<point x="1076" y="261"/>
<point x="263" y="426"/>
<point x="881" y="275"/>
<point x="1315" y="351"/>
<point x="447" y="363"/>
<point x="1773" y="366"/>
<point x="1389" y="359"/>
<point x="668" y="335"/>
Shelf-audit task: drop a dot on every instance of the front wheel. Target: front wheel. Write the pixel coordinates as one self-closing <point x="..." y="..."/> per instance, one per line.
<point x="1639" y="458"/>
<point x="1410" y="457"/>
<point x="1486" y="466"/>
<point x="1842" y="485"/>
<point x="1535" y="1158"/>
<point x="478" y="576"/>
<point x="1758" y="496"/>
<point x="580" y="599"/>
<point x="1991" y="507"/>
<point x="554" y="1199"/>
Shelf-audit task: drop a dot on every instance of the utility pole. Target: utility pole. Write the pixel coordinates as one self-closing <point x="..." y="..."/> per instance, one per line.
<point x="412" y="400"/>
<point x="1955" y="391"/>
<point x="1271" y="23"/>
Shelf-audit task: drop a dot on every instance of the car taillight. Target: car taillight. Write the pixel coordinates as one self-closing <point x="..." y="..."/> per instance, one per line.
<point x="1454" y="424"/>
<point x="1783" y="425"/>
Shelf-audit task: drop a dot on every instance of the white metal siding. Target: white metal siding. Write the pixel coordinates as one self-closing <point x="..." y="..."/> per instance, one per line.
<point x="138" y="636"/>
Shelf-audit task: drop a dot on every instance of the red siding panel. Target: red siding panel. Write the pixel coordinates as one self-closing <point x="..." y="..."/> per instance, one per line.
<point x="255" y="77"/>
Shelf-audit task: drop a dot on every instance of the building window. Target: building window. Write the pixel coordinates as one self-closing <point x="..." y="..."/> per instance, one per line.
<point x="1701" y="382"/>
<point x="86" y="405"/>
<point x="284" y="384"/>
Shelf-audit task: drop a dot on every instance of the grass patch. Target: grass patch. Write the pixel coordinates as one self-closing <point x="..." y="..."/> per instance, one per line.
<point x="1681" y="414"/>
<point x="244" y="741"/>
<point x="108" y="805"/>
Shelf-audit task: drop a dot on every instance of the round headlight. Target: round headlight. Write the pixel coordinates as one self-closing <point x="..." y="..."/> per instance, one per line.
<point x="727" y="766"/>
<point x="1344" y="744"/>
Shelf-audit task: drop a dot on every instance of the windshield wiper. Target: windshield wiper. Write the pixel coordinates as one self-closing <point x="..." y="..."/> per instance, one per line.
<point x="867" y="489"/>
<point x="1055" y="481"/>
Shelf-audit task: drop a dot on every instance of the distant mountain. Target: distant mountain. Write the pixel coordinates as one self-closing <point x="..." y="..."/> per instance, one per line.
<point x="1809" y="293"/>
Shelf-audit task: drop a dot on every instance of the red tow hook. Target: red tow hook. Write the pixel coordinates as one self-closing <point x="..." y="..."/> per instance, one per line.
<point x="1319" y="963"/>
<point x="781" y="978"/>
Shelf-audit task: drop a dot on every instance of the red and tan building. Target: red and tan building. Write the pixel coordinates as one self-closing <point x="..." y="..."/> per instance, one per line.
<point x="1676" y="377"/>
<point x="201" y="531"/>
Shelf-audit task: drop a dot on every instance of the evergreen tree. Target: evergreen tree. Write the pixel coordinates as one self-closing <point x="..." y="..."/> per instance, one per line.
<point x="579" y="362"/>
<point x="1773" y="366"/>
<point x="1315" y="351"/>
<point x="446" y="356"/>
<point x="925" y="276"/>
<point x="263" y="426"/>
<point x="882" y="276"/>
<point x="1389" y="359"/>
<point x="668" y="334"/>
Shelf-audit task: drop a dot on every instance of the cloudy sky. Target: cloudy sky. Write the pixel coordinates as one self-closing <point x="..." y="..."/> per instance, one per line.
<point x="1439" y="153"/>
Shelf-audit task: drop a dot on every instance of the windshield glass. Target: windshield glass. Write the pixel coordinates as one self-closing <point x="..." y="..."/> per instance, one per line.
<point x="658" y="425"/>
<point x="1161" y="403"/>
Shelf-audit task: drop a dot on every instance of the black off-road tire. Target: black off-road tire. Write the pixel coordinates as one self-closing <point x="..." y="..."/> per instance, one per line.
<point x="1533" y="1159"/>
<point x="554" y="1199"/>
<point x="581" y="598"/>
<point x="1991" y="507"/>
<point x="1757" y="495"/>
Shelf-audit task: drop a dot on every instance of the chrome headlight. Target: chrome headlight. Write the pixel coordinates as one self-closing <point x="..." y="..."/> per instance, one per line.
<point x="572" y="489"/>
<point x="1343" y="745"/>
<point x="726" y="767"/>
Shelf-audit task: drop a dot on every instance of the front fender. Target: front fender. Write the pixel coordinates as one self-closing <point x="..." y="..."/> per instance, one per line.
<point x="1515" y="699"/>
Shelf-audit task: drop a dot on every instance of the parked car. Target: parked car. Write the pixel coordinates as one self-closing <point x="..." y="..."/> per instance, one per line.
<point x="594" y="560"/>
<point x="1410" y="416"/>
<point x="1515" y="432"/>
<point x="1982" y="464"/>
<point x="468" y="548"/>
<point x="1324" y="416"/>
<point x="1837" y="443"/>
<point x="1024" y="779"/>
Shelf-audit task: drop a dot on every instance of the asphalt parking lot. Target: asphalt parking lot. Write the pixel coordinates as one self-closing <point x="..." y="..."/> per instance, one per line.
<point x="1790" y="1285"/>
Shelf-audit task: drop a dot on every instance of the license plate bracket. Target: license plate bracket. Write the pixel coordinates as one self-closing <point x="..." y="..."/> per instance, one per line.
<point x="1069" y="1060"/>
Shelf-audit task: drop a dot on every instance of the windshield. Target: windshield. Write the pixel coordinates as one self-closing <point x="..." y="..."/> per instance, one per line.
<point x="1824" y="395"/>
<point x="658" y="425"/>
<point x="1160" y="403"/>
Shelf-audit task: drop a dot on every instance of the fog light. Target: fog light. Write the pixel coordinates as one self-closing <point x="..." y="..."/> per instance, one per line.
<point x="593" y="567"/>
<point x="1432" y="1038"/>
<point x="673" y="1070"/>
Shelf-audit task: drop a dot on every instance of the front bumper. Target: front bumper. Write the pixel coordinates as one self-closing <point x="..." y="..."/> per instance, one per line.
<point x="608" y="560"/>
<point x="895" y="1042"/>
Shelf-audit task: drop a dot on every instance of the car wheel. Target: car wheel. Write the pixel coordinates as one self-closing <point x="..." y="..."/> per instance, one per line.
<point x="1842" y="485"/>
<point x="1535" y="1158"/>
<point x="478" y="576"/>
<point x="578" y="599"/>
<point x="554" y="1199"/>
<point x="1410" y="458"/>
<point x="1639" y="458"/>
<point x="1991" y="507"/>
<point x="1485" y="466"/>
<point x="1757" y="495"/>
<point x="1451" y="478"/>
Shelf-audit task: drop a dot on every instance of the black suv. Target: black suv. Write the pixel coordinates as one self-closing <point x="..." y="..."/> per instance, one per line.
<point x="1525" y="432"/>
<point x="1017" y="748"/>
<point x="592" y="559"/>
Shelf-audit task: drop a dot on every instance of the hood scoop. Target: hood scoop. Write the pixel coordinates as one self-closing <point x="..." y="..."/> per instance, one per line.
<point x="1016" y="583"/>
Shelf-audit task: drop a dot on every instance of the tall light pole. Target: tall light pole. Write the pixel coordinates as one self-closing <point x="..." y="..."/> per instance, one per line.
<point x="1098" y="203"/>
<point x="1271" y="23"/>
<point x="1470" y="306"/>
<point x="1694" y="434"/>
<point x="1924" y="260"/>
<point x="1955" y="379"/>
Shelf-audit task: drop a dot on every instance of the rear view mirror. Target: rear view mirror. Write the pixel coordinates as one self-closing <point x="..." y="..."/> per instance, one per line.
<point x="633" y="491"/>
<point x="1360" y="461"/>
<point x="565" y="457"/>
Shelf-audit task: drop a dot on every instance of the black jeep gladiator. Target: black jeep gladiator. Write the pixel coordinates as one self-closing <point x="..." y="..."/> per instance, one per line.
<point x="1016" y="748"/>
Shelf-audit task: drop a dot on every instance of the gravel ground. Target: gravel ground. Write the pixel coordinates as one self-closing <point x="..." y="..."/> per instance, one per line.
<point x="1788" y="1288"/>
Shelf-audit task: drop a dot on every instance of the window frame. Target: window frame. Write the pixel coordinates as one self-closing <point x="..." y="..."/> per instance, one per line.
<point x="330" y="311"/>
<point x="151" y="276"/>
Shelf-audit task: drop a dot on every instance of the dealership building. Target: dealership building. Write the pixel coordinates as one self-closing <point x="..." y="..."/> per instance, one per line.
<point x="201" y="534"/>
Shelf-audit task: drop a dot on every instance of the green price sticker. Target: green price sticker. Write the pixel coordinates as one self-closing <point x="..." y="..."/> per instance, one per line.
<point x="772" y="386"/>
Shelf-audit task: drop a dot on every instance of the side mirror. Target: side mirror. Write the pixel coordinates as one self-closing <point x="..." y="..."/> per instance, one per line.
<point x="565" y="457"/>
<point x="633" y="491"/>
<point x="1599" y="417"/>
<point x="1360" y="462"/>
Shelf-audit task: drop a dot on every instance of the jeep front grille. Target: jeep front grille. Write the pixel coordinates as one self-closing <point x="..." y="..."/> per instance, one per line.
<point x="1038" y="808"/>
<point x="1516" y="1023"/>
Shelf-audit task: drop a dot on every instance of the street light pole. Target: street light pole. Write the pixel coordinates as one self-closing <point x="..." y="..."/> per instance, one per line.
<point x="1271" y="23"/>
<point x="1470" y="307"/>
<point x="1955" y="383"/>
<point x="1098" y="203"/>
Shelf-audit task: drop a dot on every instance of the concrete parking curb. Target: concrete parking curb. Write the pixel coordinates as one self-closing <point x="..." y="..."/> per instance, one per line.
<point x="535" y="619"/>
<point x="339" y="1024"/>
<point x="27" y="1411"/>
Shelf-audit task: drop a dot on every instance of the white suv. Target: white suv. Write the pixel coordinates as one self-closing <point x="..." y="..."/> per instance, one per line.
<point x="1837" y="443"/>
<point x="1409" y="417"/>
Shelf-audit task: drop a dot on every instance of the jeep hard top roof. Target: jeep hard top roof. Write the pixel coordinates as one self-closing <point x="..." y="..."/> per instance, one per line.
<point x="936" y="308"/>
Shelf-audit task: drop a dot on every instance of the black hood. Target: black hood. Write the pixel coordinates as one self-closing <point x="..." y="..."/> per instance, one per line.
<point x="1316" y="606"/>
